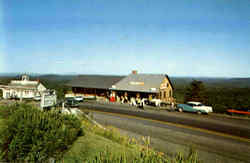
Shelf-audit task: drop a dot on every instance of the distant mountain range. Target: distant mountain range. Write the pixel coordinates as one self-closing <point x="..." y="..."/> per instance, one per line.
<point x="177" y="81"/>
<point x="212" y="82"/>
<point x="14" y="74"/>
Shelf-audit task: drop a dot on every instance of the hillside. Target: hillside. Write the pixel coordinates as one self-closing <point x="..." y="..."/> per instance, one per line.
<point x="178" y="82"/>
<point x="181" y="82"/>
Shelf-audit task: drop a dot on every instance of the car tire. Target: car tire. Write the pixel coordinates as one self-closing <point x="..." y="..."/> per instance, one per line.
<point x="180" y="109"/>
<point x="199" y="112"/>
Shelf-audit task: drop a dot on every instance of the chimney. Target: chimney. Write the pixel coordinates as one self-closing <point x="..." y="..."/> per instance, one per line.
<point x="134" y="72"/>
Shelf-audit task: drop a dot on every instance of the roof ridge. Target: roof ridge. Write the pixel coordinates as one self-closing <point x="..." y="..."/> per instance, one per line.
<point x="101" y="75"/>
<point x="147" y="74"/>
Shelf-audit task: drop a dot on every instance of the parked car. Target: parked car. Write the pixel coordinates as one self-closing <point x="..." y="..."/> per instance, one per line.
<point x="37" y="98"/>
<point x="79" y="98"/>
<point x="243" y="111"/>
<point x="71" y="102"/>
<point x="89" y="97"/>
<point x="199" y="105"/>
<point x="196" y="107"/>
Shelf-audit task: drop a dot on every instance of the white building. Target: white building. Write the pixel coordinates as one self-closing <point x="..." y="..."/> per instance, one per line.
<point x="23" y="88"/>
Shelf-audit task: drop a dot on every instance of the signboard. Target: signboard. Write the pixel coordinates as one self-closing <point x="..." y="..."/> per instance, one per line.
<point x="48" y="99"/>
<point x="136" y="83"/>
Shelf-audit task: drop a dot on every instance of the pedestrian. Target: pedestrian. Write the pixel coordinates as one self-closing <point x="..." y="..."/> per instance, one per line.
<point x="122" y="99"/>
<point x="126" y="99"/>
<point x="118" y="99"/>
<point x="173" y="106"/>
<point x="141" y="103"/>
<point x="133" y="103"/>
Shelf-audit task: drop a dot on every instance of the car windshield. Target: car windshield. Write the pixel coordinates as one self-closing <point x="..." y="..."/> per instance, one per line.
<point x="190" y="104"/>
<point x="195" y="104"/>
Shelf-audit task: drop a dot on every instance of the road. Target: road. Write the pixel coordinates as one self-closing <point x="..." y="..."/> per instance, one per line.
<point x="220" y="124"/>
<point x="170" y="136"/>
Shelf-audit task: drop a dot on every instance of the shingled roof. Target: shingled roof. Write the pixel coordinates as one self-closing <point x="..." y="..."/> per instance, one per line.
<point x="149" y="83"/>
<point x="34" y="86"/>
<point x="95" y="81"/>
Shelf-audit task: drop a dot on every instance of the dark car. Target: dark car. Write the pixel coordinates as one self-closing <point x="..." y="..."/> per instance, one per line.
<point x="71" y="102"/>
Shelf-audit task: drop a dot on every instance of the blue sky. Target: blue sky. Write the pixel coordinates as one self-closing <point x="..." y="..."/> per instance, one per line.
<point x="179" y="38"/>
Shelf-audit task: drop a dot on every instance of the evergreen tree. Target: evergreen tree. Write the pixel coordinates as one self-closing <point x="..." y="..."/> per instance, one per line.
<point x="195" y="92"/>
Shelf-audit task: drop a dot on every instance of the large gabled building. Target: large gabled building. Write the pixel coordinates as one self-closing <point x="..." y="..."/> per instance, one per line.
<point x="145" y="86"/>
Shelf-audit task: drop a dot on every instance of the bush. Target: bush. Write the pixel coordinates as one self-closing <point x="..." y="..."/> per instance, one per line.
<point x="6" y="111"/>
<point x="32" y="135"/>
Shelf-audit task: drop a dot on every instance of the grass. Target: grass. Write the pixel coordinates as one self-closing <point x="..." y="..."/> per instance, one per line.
<point x="91" y="145"/>
<point x="1" y="122"/>
<point x="108" y="145"/>
<point x="98" y="141"/>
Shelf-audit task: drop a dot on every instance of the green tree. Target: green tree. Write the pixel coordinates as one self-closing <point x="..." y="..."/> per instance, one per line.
<point x="195" y="92"/>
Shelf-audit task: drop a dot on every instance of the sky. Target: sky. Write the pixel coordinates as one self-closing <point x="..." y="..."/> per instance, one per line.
<point x="208" y="38"/>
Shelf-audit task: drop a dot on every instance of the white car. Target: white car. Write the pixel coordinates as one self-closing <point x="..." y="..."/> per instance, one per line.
<point x="37" y="98"/>
<point x="79" y="98"/>
<point x="200" y="106"/>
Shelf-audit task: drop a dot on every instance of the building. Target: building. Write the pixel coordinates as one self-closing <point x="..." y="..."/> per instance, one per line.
<point x="93" y="85"/>
<point x="148" y="86"/>
<point x="23" y="88"/>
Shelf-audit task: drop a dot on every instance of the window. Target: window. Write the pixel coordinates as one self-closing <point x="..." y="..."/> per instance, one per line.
<point x="165" y="94"/>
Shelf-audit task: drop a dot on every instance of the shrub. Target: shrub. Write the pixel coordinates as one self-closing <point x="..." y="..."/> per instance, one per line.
<point x="32" y="135"/>
<point x="6" y="111"/>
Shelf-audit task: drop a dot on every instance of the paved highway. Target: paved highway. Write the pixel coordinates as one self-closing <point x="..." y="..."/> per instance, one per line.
<point x="172" y="131"/>
<point x="220" y="124"/>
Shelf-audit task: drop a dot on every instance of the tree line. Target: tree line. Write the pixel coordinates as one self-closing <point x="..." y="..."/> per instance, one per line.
<point x="220" y="98"/>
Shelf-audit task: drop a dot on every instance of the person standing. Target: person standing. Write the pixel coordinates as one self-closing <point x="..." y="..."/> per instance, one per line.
<point x="172" y="106"/>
